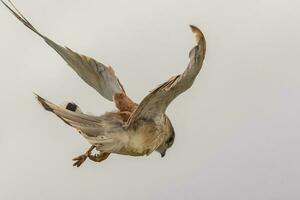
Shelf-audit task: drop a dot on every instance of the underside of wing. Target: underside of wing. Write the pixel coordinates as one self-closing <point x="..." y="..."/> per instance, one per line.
<point x="156" y="103"/>
<point x="102" y="78"/>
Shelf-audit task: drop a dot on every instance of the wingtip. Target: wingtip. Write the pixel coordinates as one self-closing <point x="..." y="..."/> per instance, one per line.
<point x="4" y="3"/>
<point x="198" y="34"/>
<point x="35" y="94"/>
<point x="194" y="28"/>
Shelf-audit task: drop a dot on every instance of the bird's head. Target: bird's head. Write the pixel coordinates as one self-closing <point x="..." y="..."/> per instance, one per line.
<point x="162" y="149"/>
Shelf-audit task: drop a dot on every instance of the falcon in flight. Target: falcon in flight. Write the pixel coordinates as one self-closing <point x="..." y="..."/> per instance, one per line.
<point x="134" y="129"/>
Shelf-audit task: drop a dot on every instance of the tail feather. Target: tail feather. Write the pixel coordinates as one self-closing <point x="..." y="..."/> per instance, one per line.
<point x="70" y="117"/>
<point x="42" y="101"/>
<point x="99" y="131"/>
<point x="50" y="107"/>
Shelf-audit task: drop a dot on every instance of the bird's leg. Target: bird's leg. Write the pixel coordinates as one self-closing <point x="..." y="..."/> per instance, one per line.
<point x="80" y="159"/>
<point x="99" y="157"/>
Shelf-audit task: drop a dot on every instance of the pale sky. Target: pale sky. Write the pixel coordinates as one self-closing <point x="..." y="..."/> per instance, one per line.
<point x="237" y="128"/>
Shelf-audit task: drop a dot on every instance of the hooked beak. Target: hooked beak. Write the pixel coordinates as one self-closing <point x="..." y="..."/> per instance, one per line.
<point x="162" y="154"/>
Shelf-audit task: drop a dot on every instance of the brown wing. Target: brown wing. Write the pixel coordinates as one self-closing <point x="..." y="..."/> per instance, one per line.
<point x="155" y="104"/>
<point x="102" y="78"/>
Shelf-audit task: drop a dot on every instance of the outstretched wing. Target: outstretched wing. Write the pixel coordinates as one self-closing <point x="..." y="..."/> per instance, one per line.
<point x="155" y="104"/>
<point x="96" y="74"/>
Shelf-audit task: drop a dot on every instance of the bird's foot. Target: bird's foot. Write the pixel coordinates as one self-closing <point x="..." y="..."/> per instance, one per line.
<point x="80" y="159"/>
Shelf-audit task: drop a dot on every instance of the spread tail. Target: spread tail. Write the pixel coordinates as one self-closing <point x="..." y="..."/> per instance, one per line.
<point x="72" y="116"/>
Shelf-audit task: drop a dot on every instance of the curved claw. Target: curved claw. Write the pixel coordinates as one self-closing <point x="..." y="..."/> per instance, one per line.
<point x="79" y="160"/>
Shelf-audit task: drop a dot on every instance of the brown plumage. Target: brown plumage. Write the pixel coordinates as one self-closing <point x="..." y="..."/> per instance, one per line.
<point x="134" y="129"/>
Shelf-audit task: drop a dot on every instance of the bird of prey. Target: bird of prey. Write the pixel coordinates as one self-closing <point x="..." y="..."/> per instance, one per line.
<point x="133" y="129"/>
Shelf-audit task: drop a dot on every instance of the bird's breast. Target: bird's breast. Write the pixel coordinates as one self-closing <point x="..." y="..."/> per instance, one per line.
<point x="144" y="140"/>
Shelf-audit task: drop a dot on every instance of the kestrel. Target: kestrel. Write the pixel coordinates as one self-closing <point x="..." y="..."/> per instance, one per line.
<point x="134" y="129"/>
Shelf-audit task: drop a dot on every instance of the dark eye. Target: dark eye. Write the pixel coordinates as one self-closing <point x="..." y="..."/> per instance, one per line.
<point x="170" y="140"/>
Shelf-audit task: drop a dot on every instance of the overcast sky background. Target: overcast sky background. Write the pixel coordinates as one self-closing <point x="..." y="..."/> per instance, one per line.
<point x="237" y="128"/>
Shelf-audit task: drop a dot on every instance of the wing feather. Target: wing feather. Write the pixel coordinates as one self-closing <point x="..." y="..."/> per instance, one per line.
<point x="156" y="103"/>
<point x="102" y="78"/>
